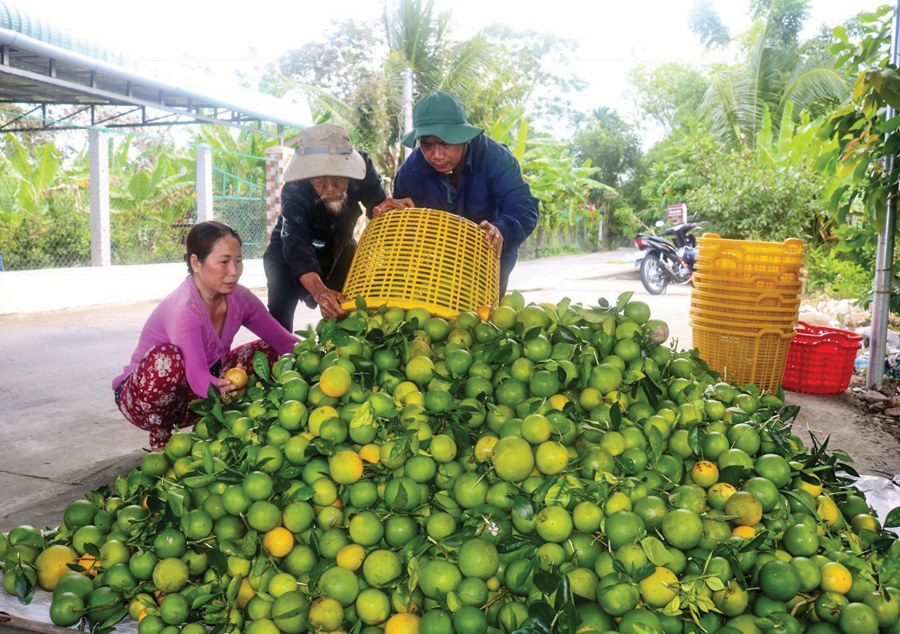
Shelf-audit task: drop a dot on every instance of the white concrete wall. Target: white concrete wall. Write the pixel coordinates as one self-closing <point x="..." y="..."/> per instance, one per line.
<point x="61" y="289"/>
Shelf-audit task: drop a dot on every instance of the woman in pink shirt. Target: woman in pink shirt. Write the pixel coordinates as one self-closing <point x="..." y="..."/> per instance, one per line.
<point x="185" y="345"/>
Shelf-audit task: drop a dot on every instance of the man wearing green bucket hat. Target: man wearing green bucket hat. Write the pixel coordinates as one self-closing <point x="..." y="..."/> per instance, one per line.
<point x="457" y="168"/>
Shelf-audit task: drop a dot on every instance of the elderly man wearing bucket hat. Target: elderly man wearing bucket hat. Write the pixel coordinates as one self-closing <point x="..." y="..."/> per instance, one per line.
<point x="312" y="244"/>
<point x="457" y="168"/>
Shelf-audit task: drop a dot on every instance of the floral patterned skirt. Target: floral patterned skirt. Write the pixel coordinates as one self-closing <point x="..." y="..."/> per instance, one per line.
<point x="155" y="396"/>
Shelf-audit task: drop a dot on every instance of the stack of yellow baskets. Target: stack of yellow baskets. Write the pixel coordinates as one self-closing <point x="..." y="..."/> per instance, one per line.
<point x="744" y="307"/>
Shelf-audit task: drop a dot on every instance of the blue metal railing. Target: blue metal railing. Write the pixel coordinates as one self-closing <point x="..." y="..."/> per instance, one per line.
<point x="237" y="184"/>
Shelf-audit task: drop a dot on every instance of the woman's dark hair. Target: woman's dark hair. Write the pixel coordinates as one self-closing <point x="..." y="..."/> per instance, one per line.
<point x="203" y="237"/>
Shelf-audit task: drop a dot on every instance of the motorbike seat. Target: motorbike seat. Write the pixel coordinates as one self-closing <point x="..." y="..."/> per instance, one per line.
<point x="680" y="233"/>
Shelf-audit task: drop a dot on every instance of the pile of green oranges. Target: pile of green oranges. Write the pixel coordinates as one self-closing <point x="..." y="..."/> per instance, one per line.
<point x="535" y="469"/>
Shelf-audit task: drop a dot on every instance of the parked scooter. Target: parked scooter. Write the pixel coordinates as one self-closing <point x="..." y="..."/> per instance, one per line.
<point x="665" y="262"/>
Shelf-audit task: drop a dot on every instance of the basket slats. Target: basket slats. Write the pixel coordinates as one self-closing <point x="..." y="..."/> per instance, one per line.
<point x="422" y="258"/>
<point x="757" y="358"/>
<point x="745" y="299"/>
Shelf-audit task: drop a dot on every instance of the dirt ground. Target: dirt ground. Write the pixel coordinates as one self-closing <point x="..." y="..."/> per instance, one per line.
<point x="61" y="434"/>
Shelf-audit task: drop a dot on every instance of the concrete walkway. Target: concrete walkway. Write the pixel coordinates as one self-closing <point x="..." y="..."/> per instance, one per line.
<point x="62" y="435"/>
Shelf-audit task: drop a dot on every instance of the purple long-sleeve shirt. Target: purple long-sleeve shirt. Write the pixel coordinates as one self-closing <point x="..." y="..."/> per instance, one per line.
<point x="182" y="319"/>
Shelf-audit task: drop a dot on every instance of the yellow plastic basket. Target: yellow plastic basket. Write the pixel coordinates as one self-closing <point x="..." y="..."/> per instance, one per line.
<point x="729" y="266"/>
<point x="746" y="326"/>
<point x="710" y="281"/>
<point x="422" y="258"/>
<point x="788" y="252"/>
<point x="739" y="298"/>
<point x="746" y="313"/>
<point x="758" y="358"/>
<point x="744" y="258"/>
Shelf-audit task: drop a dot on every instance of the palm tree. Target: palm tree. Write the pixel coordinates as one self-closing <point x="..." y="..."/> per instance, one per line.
<point x="734" y="106"/>
<point x="420" y="59"/>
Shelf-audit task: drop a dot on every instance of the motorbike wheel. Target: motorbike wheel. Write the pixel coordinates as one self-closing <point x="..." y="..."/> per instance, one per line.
<point x="653" y="277"/>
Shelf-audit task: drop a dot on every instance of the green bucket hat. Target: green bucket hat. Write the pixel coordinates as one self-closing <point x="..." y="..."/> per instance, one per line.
<point x="442" y="115"/>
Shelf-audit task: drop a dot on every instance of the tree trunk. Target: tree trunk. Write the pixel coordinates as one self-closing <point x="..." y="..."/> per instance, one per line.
<point x="606" y="227"/>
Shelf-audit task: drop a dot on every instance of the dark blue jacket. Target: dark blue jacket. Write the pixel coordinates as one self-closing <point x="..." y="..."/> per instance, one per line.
<point x="491" y="188"/>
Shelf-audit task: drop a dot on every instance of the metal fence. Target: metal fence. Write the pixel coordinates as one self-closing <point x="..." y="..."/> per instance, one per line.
<point x="239" y="198"/>
<point x="45" y="198"/>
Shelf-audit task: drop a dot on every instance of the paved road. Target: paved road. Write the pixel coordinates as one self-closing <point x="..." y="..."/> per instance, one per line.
<point x="61" y="434"/>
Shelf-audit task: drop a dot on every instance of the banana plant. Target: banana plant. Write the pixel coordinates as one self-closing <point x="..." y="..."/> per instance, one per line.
<point x="35" y="175"/>
<point x="562" y="186"/>
<point x="241" y="156"/>
<point x="159" y="189"/>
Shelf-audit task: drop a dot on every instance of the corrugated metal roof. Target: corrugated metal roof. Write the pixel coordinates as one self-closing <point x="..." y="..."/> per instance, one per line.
<point x="21" y="21"/>
<point x="36" y="68"/>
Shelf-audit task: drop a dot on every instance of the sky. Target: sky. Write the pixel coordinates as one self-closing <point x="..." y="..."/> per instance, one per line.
<point x="200" y="45"/>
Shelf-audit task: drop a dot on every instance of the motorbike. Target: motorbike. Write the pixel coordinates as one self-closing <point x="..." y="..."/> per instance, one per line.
<point x="664" y="262"/>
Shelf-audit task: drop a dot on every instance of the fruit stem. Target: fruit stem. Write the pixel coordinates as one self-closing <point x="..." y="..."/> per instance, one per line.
<point x="495" y="599"/>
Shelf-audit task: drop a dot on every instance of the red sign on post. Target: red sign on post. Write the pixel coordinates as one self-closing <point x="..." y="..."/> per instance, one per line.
<point x="677" y="213"/>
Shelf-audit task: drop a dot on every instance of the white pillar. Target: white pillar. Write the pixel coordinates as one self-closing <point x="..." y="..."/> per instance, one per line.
<point x="98" y="144"/>
<point x="203" y="186"/>
<point x="277" y="158"/>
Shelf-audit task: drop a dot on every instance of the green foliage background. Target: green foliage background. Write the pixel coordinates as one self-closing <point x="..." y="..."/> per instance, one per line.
<point x="784" y="140"/>
<point x="45" y="211"/>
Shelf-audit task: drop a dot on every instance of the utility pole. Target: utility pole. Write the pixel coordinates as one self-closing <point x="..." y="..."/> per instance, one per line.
<point x="408" y="105"/>
<point x="884" y="258"/>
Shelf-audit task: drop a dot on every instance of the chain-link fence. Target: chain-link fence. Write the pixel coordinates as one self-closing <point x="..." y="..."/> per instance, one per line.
<point x="45" y="196"/>
<point x="44" y="219"/>
<point x="239" y="198"/>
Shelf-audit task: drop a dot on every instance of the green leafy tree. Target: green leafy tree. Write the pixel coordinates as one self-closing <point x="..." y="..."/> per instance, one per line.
<point x="706" y="23"/>
<point x="342" y="76"/>
<point x="857" y="128"/>
<point x="36" y="190"/>
<point x="525" y="69"/>
<point x="346" y="56"/>
<point x="670" y="93"/>
<point x="859" y="184"/>
<point x="418" y="40"/>
<point x="785" y="19"/>
<point x="674" y="168"/>
<point x="612" y="148"/>
<point x="770" y="192"/>
<point x="36" y="174"/>
<point x="776" y="72"/>
<point x="557" y="180"/>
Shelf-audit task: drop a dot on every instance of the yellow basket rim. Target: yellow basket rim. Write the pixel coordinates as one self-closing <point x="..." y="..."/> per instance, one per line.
<point x="428" y="210"/>
<point x="789" y="244"/>
<point x="377" y="302"/>
<point x="781" y="332"/>
<point x="754" y="277"/>
<point x="718" y="307"/>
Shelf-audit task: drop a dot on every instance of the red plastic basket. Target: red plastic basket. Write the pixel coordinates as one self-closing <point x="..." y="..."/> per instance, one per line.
<point x="820" y="360"/>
